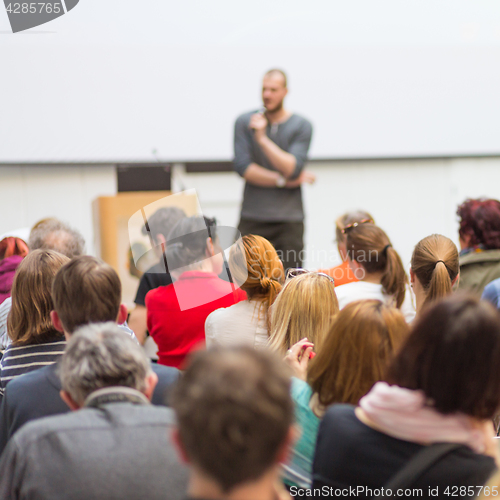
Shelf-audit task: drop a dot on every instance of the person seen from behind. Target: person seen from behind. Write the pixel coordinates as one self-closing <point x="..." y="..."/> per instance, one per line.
<point x="257" y="269"/>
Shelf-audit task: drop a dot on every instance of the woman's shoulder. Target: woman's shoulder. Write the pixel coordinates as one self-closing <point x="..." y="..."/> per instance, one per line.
<point x="358" y="290"/>
<point x="233" y="310"/>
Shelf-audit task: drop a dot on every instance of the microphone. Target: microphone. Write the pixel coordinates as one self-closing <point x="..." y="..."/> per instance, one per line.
<point x="262" y="110"/>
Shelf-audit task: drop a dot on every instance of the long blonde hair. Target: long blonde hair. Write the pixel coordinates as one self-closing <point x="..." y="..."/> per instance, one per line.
<point x="255" y="266"/>
<point x="356" y="351"/>
<point x="305" y="308"/>
<point x="435" y="264"/>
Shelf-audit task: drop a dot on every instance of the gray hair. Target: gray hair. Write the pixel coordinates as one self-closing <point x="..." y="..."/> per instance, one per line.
<point x="53" y="234"/>
<point x="101" y="355"/>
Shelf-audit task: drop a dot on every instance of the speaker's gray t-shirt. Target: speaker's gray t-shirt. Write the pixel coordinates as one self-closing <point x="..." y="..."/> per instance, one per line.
<point x="271" y="204"/>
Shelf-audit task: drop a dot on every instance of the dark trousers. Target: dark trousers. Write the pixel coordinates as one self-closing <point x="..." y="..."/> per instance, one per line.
<point x="286" y="237"/>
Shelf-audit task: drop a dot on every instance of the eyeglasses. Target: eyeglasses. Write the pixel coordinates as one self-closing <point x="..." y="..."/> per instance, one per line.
<point x="356" y="224"/>
<point x="294" y="272"/>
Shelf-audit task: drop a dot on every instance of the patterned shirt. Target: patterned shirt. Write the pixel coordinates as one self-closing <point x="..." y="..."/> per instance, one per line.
<point x="17" y="361"/>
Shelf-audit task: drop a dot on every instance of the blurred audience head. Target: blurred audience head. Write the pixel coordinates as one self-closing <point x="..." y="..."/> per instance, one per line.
<point x="257" y="269"/>
<point x="13" y="246"/>
<point x="100" y="356"/>
<point x="235" y="416"/>
<point x="193" y="245"/>
<point x="356" y="351"/>
<point x="479" y="224"/>
<point x="349" y="218"/>
<point x="304" y="308"/>
<point x="162" y="222"/>
<point x="29" y="318"/>
<point x="86" y="290"/>
<point x="52" y="234"/>
<point x="452" y="356"/>
<point x="434" y="268"/>
<point x="370" y="251"/>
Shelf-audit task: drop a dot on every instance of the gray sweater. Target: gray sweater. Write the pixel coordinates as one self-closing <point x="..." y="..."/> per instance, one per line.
<point x="115" y="452"/>
<point x="271" y="204"/>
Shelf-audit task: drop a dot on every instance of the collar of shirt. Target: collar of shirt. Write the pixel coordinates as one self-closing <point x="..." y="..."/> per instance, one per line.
<point x="115" y="395"/>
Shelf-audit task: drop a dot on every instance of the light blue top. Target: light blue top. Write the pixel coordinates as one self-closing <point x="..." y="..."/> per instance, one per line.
<point x="298" y="472"/>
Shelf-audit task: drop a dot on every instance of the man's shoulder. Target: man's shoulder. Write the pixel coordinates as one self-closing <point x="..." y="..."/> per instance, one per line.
<point x="159" y="294"/>
<point x="118" y="414"/>
<point x="299" y="121"/>
<point x="36" y="380"/>
<point x="165" y="373"/>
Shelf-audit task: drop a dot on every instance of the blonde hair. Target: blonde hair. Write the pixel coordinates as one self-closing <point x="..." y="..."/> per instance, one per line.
<point x="257" y="269"/>
<point x="304" y="308"/>
<point x="356" y="351"/>
<point x="435" y="264"/>
<point x="29" y="318"/>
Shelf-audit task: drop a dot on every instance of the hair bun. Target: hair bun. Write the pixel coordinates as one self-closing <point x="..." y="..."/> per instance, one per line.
<point x="265" y="282"/>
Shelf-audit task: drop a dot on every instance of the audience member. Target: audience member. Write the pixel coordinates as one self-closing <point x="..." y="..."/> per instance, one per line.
<point x="480" y="244"/>
<point x="177" y="313"/>
<point x="85" y="290"/>
<point x="379" y="269"/>
<point x="257" y="269"/>
<point x="12" y="252"/>
<point x="115" y="446"/>
<point x="304" y="308"/>
<point x="235" y="423"/>
<point x="46" y="234"/>
<point x="35" y="341"/>
<point x="446" y="389"/>
<point x="355" y="355"/>
<point x="158" y="226"/>
<point x="53" y="234"/>
<point x="343" y="273"/>
<point x="434" y="269"/>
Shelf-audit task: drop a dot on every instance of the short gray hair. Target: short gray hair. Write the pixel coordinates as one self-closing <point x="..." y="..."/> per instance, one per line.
<point x="101" y="355"/>
<point x="53" y="234"/>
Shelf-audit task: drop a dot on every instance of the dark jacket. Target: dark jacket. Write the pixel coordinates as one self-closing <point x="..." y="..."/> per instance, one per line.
<point x="477" y="269"/>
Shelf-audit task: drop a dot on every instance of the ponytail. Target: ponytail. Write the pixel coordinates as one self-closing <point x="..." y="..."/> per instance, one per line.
<point x="368" y="245"/>
<point x="394" y="278"/>
<point x="435" y="265"/>
<point x="440" y="284"/>
<point x="271" y="287"/>
<point x="257" y="269"/>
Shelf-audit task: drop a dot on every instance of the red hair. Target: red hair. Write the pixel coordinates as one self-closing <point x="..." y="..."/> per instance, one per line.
<point x="480" y="222"/>
<point x="13" y="246"/>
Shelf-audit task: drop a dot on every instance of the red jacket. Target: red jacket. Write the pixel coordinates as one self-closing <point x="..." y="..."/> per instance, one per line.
<point x="177" y="313"/>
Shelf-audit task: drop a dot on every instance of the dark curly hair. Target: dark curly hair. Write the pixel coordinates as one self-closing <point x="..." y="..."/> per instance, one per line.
<point x="480" y="222"/>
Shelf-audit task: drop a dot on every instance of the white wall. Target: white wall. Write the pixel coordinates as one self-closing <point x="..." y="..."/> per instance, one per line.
<point x="28" y="194"/>
<point x="410" y="199"/>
